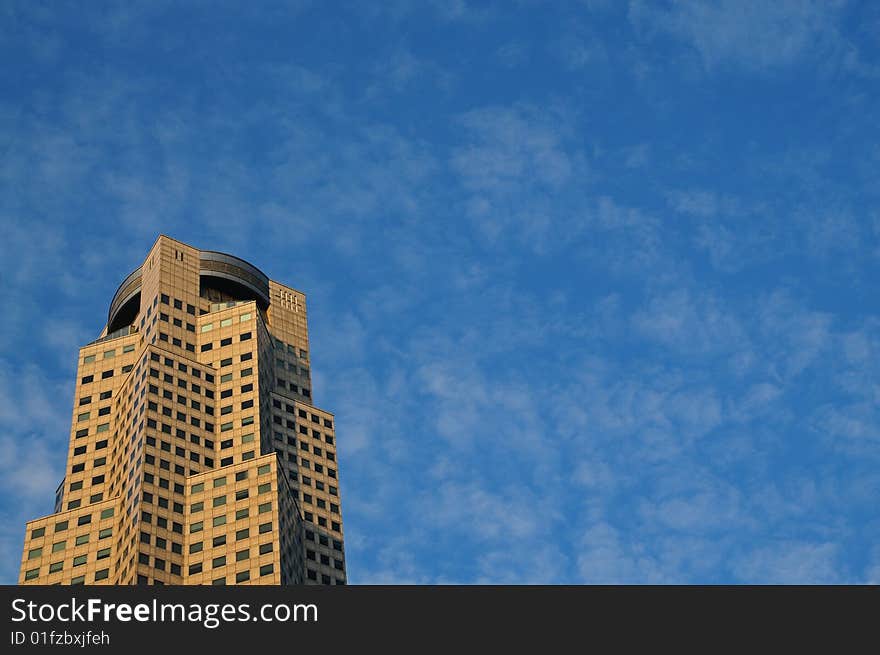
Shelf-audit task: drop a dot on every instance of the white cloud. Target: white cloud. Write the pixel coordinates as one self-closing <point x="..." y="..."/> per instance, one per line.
<point x="790" y="562"/>
<point x="608" y="557"/>
<point x="751" y="34"/>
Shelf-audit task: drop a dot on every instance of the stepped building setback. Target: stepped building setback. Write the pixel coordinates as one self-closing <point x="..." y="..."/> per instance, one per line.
<point x="196" y="454"/>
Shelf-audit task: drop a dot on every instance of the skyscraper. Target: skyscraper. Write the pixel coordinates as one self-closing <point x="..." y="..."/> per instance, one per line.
<point x="196" y="455"/>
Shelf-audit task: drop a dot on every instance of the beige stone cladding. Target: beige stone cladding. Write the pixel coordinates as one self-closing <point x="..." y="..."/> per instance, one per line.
<point x="201" y="374"/>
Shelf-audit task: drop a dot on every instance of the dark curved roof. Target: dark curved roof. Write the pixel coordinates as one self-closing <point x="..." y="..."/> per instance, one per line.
<point x="211" y="263"/>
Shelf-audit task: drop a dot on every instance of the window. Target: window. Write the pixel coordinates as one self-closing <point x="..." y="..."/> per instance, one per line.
<point x="33" y="573"/>
<point x="267" y="569"/>
<point x="57" y="566"/>
<point x="104" y="553"/>
<point x="217" y="562"/>
<point x="195" y="568"/>
<point x="243" y="576"/>
<point x="39" y="532"/>
<point x="87" y="379"/>
<point x="88" y="359"/>
<point x="34" y="553"/>
<point x="242" y="555"/>
<point x="242" y="534"/>
<point x="103" y="574"/>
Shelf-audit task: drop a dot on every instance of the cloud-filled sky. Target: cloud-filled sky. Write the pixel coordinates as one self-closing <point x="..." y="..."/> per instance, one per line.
<point x="592" y="286"/>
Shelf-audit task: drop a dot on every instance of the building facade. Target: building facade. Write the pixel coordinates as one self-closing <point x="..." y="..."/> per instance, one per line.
<point x="196" y="455"/>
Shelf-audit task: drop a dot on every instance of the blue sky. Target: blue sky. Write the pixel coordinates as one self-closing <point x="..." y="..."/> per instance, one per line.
<point x="592" y="285"/>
